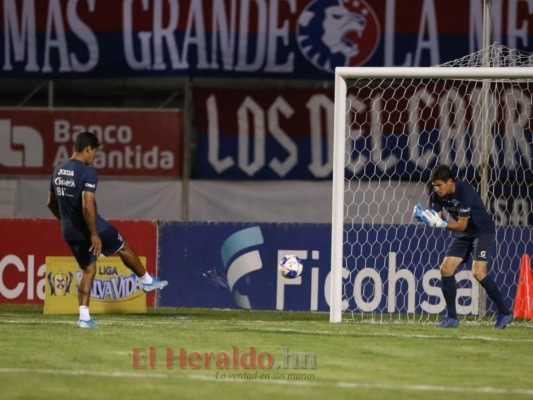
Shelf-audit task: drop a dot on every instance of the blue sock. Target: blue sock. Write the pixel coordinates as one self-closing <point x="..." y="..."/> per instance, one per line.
<point x="494" y="293"/>
<point x="450" y="293"/>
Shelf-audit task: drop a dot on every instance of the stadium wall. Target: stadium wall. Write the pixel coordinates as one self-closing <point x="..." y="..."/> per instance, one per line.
<point x="236" y="266"/>
<point x="220" y="201"/>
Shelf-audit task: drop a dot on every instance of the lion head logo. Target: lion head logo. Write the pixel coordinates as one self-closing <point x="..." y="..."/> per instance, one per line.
<point x="337" y="33"/>
<point x="59" y="283"/>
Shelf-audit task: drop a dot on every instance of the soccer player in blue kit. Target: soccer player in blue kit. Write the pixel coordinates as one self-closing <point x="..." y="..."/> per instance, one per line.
<point x="473" y="235"/>
<point x="72" y="200"/>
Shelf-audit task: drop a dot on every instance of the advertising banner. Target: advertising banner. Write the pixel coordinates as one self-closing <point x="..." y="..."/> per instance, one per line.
<point x="116" y="289"/>
<point x="237" y="267"/>
<point x="299" y="39"/>
<point x="266" y="134"/>
<point x="27" y="242"/>
<point x="423" y="123"/>
<point x="274" y="134"/>
<point x="134" y="143"/>
<point x="512" y="203"/>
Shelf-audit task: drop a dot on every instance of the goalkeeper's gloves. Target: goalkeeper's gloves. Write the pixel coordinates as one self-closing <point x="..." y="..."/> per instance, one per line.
<point x="417" y="212"/>
<point x="433" y="219"/>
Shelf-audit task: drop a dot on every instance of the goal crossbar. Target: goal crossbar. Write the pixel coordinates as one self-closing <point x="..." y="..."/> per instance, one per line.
<point x="434" y="72"/>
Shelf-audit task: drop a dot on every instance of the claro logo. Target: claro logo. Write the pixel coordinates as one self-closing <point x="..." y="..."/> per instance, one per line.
<point x="20" y="146"/>
<point x="18" y="280"/>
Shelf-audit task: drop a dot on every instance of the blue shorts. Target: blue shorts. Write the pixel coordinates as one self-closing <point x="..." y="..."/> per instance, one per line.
<point x="479" y="247"/>
<point x="112" y="242"/>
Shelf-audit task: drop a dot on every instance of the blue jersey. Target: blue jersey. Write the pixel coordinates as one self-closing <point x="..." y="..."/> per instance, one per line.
<point x="69" y="180"/>
<point x="465" y="202"/>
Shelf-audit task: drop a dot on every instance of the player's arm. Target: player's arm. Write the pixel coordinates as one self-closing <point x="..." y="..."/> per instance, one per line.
<point x="458" y="226"/>
<point x="434" y="219"/>
<point x="89" y="214"/>
<point x="52" y="204"/>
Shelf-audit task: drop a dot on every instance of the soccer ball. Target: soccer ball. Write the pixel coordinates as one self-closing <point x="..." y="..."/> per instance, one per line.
<point x="291" y="266"/>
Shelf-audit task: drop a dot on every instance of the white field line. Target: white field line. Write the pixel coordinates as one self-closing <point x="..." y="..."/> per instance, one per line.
<point x="343" y="385"/>
<point x="433" y="388"/>
<point x="74" y="320"/>
<point x="353" y="333"/>
<point x="395" y="335"/>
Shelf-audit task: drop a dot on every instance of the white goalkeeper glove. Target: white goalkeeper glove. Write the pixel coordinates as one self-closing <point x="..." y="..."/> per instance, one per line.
<point x="432" y="218"/>
<point x="417" y="212"/>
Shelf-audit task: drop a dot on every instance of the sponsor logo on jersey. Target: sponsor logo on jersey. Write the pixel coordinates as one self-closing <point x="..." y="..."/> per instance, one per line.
<point x="90" y="185"/>
<point x="338" y="33"/>
<point x="66" y="172"/>
<point x="64" y="182"/>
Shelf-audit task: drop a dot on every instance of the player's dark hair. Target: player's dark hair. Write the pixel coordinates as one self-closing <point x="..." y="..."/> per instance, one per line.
<point x="442" y="173"/>
<point x="85" y="139"/>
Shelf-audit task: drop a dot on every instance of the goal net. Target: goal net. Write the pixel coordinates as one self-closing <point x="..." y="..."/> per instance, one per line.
<point x="392" y="126"/>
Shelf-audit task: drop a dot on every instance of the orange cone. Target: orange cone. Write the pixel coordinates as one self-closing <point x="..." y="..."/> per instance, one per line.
<point x="523" y="303"/>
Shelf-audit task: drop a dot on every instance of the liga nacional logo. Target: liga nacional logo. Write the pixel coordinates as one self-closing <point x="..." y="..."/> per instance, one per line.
<point x="59" y="283"/>
<point x="338" y="33"/>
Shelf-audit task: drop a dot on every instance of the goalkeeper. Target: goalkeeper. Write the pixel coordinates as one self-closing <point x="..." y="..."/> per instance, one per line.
<point x="474" y="233"/>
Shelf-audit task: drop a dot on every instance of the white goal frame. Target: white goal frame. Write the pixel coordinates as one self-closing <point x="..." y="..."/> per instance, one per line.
<point x="342" y="74"/>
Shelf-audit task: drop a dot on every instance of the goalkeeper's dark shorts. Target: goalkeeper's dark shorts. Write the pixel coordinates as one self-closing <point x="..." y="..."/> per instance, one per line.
<point x="478" y="247"/>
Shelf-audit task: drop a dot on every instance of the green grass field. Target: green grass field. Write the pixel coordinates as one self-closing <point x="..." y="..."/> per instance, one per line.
<point x="49" y="357"/>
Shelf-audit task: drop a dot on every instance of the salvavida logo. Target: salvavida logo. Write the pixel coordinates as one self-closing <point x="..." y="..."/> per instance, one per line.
<point x="20" y="146"/>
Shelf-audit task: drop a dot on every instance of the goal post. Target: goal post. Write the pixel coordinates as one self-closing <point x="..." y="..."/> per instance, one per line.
<point x="337" y="217"/>
<point x="437" y="115"/>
